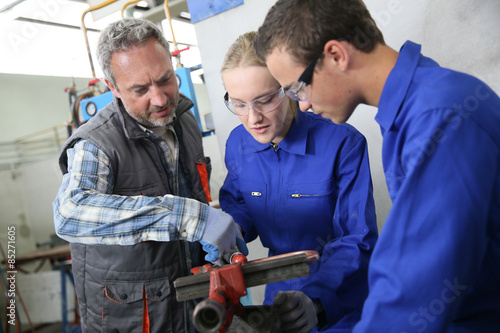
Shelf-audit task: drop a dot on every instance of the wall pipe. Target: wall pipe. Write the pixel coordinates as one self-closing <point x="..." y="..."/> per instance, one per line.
<point x="169" y="18"/>
<point x="88" y="10"/>
<point x="176" y="52"/>
<point x="108" y="2"/>
<point x="128" y="4"/>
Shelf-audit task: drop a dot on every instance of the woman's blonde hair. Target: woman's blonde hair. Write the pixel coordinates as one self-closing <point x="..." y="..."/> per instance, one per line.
<point x="242" y="54"/>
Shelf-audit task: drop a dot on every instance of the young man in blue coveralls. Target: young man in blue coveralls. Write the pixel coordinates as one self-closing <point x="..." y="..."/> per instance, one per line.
<point x="436" y="267"/>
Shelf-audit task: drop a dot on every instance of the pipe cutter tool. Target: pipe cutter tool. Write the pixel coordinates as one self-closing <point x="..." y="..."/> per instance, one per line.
<point x="224" y="285"/>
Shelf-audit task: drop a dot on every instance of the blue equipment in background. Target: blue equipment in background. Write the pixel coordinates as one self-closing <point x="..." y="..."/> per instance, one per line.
<point x="187" y="88"/>
<point x="202" y="9"/>
<point x="90" y="106"/>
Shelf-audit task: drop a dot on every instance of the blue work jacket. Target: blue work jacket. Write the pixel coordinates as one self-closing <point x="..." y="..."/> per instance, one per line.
<point x="313" y="192"/>
<point x="436" y="266"/>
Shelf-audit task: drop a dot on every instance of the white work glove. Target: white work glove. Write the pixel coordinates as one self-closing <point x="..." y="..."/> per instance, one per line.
<point x="296" y="311"/>
<point x="221" y="237"/>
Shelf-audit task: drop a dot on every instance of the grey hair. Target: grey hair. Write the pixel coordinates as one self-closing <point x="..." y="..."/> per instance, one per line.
<point x="123" y="35"/>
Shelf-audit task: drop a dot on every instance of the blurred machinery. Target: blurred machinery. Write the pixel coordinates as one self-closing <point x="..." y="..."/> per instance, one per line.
<point x="85" y="104"/>
<point x="91" y="105"/>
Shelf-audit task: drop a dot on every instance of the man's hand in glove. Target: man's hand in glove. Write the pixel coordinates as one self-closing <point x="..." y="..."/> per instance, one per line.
<point x="296" y="311"/>
<point x="221" y="237"/>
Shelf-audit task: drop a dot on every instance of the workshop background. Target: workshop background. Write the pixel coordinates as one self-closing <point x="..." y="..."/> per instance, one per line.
<point x="43" y="57"/>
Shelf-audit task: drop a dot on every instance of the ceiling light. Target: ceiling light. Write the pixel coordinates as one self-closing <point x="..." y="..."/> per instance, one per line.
<point x="142" y="4"/>
<point x="185" y="15"/>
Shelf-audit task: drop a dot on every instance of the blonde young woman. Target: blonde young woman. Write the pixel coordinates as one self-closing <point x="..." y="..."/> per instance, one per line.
<point x="299" y="182"/>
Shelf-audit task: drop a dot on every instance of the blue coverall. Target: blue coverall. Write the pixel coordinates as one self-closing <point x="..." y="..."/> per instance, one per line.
<point x="313" y="192"/>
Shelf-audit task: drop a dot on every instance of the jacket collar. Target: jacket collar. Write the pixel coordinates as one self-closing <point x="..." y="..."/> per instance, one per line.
<point x="397" y="85"/>
<point x="295" y="141"/>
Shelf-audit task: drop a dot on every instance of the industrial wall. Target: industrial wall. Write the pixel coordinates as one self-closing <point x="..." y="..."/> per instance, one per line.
<point x="30" y="104"/>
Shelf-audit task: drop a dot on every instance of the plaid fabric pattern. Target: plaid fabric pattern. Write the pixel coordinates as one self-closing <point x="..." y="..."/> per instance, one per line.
<point x="177" y="179"/>
<point x="86" y="211"/>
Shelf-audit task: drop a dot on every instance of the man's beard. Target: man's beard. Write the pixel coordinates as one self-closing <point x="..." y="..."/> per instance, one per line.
<point x="146" y="121"/>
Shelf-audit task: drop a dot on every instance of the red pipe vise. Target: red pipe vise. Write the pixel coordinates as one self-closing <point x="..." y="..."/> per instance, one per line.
<point x="227" y="285"/>
<point x="224" y="285"/>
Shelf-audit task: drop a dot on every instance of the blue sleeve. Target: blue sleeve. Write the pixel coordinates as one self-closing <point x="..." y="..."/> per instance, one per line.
<point x="230" y="198"/>
<point x="339" y="281"/>
<point x="435" y="238"/>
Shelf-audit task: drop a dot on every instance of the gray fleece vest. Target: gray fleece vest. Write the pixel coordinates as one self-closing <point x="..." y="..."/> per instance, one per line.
<point x="112" y="281"/>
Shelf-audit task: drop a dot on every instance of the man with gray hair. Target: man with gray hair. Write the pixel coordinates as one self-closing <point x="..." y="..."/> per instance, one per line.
<point x="133" y="198"/>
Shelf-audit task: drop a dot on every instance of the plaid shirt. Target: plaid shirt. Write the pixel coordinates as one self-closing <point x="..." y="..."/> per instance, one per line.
<point x="86" y="211"/>
<point x="176" y="179"/>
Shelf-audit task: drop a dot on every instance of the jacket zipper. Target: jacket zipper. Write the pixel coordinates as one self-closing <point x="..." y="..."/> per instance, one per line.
<point x="298" y="195"/>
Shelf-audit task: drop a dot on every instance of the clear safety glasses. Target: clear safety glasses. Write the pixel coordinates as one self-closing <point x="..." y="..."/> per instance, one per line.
<point x="300" y="90"/>
<point x="263" y="104"/>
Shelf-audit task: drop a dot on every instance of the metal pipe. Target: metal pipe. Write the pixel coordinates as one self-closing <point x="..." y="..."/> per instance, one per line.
<point x="176" y="52"/>
<point x="88" y="10"/>
<point x="128" y="4"/>
<point x="208" y="316"/>
<point x="54" y="24"/>
<point x="169" y="18"/>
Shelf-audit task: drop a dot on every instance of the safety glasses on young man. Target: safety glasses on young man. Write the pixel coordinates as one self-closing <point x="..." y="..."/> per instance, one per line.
<point x="300" y="90"/>
<point x="262" y="104"/>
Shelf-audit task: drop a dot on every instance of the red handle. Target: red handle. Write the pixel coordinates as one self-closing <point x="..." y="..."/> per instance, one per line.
<point x="176" y="52"/>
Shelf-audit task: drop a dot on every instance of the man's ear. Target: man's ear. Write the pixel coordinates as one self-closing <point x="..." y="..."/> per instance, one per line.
<point x="112" y="88"/>
<point x="338" y="53"/>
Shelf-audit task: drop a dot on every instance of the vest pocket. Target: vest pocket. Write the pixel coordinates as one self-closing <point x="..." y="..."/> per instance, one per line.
<point x="125" y="304"/>
<point x="157" y="290"/>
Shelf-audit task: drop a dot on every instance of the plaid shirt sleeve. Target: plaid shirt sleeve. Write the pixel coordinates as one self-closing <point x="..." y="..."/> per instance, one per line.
<point x="86" y="211"/>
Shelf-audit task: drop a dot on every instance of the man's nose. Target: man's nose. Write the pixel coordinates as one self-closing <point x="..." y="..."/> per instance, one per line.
<point x="158" y="97"/>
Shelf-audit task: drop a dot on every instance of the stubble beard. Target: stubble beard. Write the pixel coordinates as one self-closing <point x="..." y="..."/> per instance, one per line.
<point x="146" y="121"/>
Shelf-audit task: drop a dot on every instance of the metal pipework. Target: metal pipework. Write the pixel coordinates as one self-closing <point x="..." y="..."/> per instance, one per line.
<point x="169" y="18"/>
<point x="128" y="4"/>
<point x="84" y="28"/>
<point x="255" y="272"/>
<point x="226" y="284"/>
<point x="208" y="316"/>
<point x="109" y="2"/>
